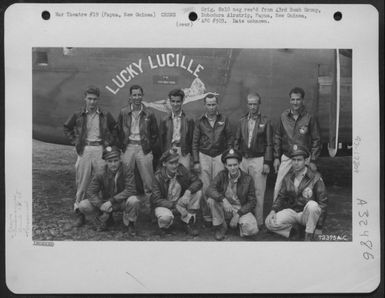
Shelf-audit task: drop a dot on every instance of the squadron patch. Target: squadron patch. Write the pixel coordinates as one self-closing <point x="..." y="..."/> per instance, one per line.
<point x="307" y="193"/>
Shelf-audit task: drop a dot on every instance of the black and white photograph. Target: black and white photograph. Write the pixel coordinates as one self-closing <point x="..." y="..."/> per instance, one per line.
<point x="192" y="148"/>
<point x="256" y="108"/>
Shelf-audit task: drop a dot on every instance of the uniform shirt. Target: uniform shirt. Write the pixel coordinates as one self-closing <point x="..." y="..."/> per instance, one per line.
<point x="174" y="189"/>
<point x="93" y="130"/>
<point x="295" y="116"/>
<point x="176" y="120"/>
<point x="231" y="191"/>
<point x="211" y="120"/>
<point x="135" y="119"/>
<point x="298" y="178"/>
<point x="251" y="126"/>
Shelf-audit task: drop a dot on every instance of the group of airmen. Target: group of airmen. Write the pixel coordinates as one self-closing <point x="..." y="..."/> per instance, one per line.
<point x="205" y="173"/>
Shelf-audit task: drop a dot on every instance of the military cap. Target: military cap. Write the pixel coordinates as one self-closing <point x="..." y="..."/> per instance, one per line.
<point x="231" y="153"/>
<point x="92" y="90"/>
<point x="111" y="152"/>
<point x="297" y="150"/>
<point x="169" y="155"/>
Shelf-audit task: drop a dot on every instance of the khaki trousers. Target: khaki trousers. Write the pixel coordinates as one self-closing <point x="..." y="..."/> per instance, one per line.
<point x="85" y="166"/>
<point x="210" y="167"/>
<point x="134" y="155"/>
<point x="286" y="218"/>
<point x="130" y="208"/>
<point x="247" y="223"/>
<point x="184" y="160"/>
<point x="187" y="209"/>
<point x="254" y="167"/>
<point x="284" y="168"/>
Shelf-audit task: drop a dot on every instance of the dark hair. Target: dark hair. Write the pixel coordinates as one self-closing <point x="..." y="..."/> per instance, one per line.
<point x="256" y="94"/>
<point x="210" y="95"/>
<point x="135" y="87"/>
<point x="92" y="90"/>
<point x="297" y="90"/>
<point x="176" y="92"/>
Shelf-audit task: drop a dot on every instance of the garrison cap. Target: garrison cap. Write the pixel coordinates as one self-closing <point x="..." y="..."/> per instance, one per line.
<point x="298" y="150"/>
<point x="111" y="152"/>
<point x="231" y="153"/>
<point x="92" y="90"/>
<point x="169" y="155"/>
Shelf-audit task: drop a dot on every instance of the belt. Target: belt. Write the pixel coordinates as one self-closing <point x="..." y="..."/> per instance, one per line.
<point x="247" y="155"/>
<point x="94" y="143"/>
<point x="132" y="142"/>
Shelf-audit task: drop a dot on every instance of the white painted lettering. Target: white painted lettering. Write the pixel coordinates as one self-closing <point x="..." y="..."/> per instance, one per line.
<point x="189" y="66"/>
<point x="181" y="63"/>
<point x="161" y="63"/>
<point x="112" y="91"/>
<point x="127" y="79"/>
<point x="198" y="69"/>
<point x="152" y="66"/>
<point x="132" y="72"/>
<point x="139" y="65"/>
<point x="168" y="57"/>
<point x="121" y="85"/>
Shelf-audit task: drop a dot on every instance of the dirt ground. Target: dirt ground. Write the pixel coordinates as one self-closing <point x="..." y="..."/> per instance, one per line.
<point x="54" y="192"/>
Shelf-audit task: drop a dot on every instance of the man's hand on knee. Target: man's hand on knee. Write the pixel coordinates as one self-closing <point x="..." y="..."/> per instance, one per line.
<point x="227" y="207"/>
<point x="273" y="216"/>
<point x="106" y="207"/>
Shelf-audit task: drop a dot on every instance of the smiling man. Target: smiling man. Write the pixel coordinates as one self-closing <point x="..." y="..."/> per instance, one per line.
<point x="176" y="191"/>
<point x="112" y="189"/>
<point x="176" y="129"/>
<point x="302" y="199"/>
<point x="89" y="130"/>
<point x="231" y="197"/>
<point x="296" y="126"/>
<point x="138" y="135"/>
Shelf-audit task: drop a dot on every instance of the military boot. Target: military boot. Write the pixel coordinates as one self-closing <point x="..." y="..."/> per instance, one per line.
<point x="132" y="228"/>
<point x="192" y="228"/>
<point x="79" y="219"/>
<point x="220" y="231"/>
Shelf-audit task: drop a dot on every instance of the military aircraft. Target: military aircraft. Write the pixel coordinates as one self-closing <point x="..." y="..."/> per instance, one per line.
<point x="60" y="75"/>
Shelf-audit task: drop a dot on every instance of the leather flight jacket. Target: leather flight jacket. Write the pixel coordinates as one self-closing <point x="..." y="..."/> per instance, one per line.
<point x="148" y="129"/>
<point x="75" y="128"/>
<point x="106" y="186"/>
<point x="311" y="187"/>
<point x="261" y="141"/>
<point x="187" y="180"/>
<point x="186" y="133"/>
<point x="304" y="131"/>
<point x="209" y="140"/>
<point x="245" y="190"/>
